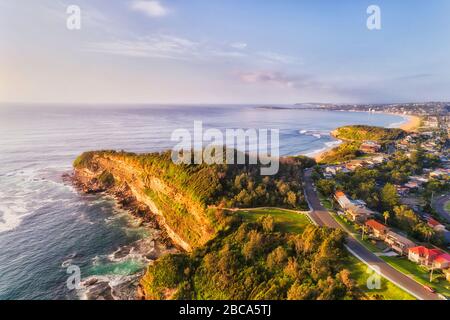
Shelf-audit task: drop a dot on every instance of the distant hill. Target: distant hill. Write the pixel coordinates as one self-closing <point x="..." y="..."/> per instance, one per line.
<point x="363" y="132"/>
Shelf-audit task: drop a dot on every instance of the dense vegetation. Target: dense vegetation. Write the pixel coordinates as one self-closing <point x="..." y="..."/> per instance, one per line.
<point x="256" y="261"/>
<point x="362" y="133"/>
<point x="201" y="189"/>
<point x="344" y="152"/>
<point x="222" y="185"/>
<point x="376" y="186"/>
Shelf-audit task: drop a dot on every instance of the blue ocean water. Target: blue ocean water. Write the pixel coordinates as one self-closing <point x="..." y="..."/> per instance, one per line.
<point x="46" y="225"/>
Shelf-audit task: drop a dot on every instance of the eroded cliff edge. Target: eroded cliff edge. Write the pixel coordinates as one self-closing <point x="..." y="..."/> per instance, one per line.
<point x="187" y="201"/>
<point x="144" y="188"/>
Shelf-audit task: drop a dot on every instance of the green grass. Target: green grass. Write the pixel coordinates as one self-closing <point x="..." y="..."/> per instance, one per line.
<point x="420" y="274"/>
<point x="327" y="203"/>
<point x="293" y="222"/>
<point x="388" y="290"/>
<point x="286" y="221"/>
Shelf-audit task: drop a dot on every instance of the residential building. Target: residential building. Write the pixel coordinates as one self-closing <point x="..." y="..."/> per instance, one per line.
<point x="398" y="243"/>
<point x="430" y="258"/>
<point x="359" y="214"/>
<point x="342" y="199"/>
<point x="370" y="147"/>
<point x="436" y="225"/>
<point x="379" y="230"/>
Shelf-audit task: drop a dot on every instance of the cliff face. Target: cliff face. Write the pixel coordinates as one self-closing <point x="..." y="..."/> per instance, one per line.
<point x="185" y="220"/>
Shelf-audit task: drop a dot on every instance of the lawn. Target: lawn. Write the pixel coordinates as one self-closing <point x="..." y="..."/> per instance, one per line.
<point x="361" y="273"/>
<point x="327" y="203"/>
<point x="286" y="221"/>
<point x="293" y="222"/>
<point x="421" y="275"/>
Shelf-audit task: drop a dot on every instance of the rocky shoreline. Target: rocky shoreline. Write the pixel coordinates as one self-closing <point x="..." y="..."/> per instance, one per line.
<point x="147" y="250"/>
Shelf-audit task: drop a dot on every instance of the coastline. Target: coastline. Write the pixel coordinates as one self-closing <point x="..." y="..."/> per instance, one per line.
<point x="411" y="124"/>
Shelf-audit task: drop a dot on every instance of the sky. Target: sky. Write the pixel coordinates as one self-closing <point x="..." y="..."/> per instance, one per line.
<point x="224" y="51"/>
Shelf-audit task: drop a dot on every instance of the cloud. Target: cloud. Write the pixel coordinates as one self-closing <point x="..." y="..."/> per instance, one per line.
<point x="173" y="47"/>
<point x="151" y="8"/>
<point x="270" y="77"/>
<point x="239" y="45"/>
<point x="415" y="76"/>
<point x="274" y="57"/>
<point x="160" y="46"/>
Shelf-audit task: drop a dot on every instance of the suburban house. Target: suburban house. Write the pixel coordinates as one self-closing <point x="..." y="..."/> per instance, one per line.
<point x="354" y="209"/>
<point x="436" y="225"/>
<point x="443" y="261"/>
<point x="359" y="214"/>
<point x="440" y="173"/>
<point x="379" y="230"/>
<point x="353" y="165"/>
<point x="431" y="258"/>
<point x="342" y="199"/>
<point x="370" y="147"/>
<point x="398" y="243"/>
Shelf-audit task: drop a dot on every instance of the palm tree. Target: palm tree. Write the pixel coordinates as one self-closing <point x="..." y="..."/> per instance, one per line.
<point x="428" y="232"/>
<point x="386" y="216"/>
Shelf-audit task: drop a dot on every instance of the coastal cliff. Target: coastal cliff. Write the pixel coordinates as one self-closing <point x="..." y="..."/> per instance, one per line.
<point x="187" y="201"/>
<point x="148" y="195"/>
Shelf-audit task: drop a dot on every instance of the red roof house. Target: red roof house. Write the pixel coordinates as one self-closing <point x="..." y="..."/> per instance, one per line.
<point x="429" y="257"/>
<point x="378" y="229"/>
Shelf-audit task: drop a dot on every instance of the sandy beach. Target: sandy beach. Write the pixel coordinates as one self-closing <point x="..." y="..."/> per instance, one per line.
<point x="412" y="124"/>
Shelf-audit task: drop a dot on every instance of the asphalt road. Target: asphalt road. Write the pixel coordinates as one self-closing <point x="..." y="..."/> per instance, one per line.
<point x="322" y="217"/>
<point x="439" y="206"/>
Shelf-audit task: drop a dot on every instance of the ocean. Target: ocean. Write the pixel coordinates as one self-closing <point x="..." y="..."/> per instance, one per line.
<point x="47" y="226"/>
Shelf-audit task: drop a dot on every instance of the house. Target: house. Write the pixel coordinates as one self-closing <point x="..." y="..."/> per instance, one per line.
<point x="412" y="185"/>
<point x="379" y="230"/>
<point x="398" y="243"/>
<point x="442" y="262"/>
<point x="402" y="191"/>
<point x="359" y="214"/>
<point x="330" y="170"/>
<point x="379" y="159"/>
<point x="353" y="165"/>
<point x="370" y="147"/>
<point x="440" y="173"/>
<point x="430" y="258"/>
<point x="436" y="225"/>
<point x="342" y="199"/>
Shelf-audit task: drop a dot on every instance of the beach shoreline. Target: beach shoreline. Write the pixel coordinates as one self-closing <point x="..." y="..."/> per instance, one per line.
<point x="411" y="124"/>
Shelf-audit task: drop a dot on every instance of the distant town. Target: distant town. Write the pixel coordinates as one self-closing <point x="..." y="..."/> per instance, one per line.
<point x="391" y="190"/>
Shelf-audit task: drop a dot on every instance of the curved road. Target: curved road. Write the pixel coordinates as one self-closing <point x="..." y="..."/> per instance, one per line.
<point x="439" y="205"/>
<point x="323" y="218"/>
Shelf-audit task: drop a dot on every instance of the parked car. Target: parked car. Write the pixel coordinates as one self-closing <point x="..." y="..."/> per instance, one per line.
<point x="430" y="289"/>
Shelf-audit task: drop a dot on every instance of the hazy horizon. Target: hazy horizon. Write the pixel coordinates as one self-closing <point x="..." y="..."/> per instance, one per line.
<point x="223" y="52"/>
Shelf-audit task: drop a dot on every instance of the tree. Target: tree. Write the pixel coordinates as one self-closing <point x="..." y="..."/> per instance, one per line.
<point x="386" y="216"/>
<point x="326" y="186"/>
<point x="268" y="223"/>
<point x="292" y="199"/>
<point x="277" y="258"/>
<point x="389" y="196"/>
<point x="405" y="218"/>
